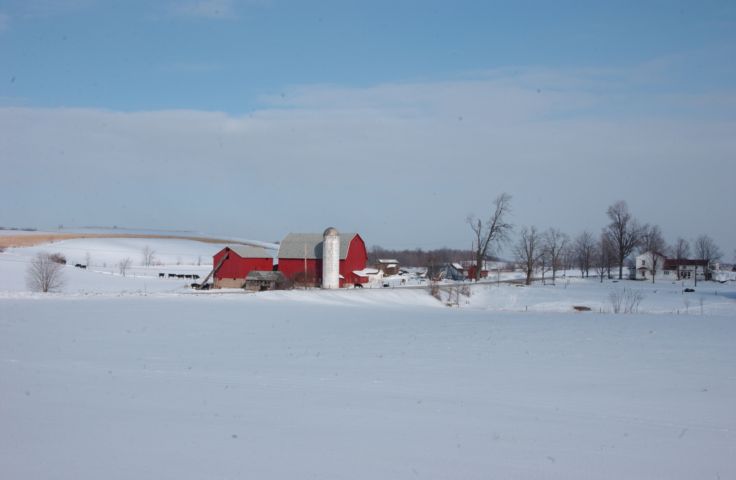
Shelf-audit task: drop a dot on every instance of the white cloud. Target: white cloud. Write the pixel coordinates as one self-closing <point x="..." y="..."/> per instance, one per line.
<point x="404" y="163"/>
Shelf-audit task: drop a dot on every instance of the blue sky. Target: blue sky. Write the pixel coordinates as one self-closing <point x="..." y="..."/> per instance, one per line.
<point x="568" y="106"/>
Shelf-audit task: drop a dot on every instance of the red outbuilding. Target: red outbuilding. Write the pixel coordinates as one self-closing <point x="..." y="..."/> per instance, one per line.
<point x="234" y="263"/>
<point x="300" y="258"/>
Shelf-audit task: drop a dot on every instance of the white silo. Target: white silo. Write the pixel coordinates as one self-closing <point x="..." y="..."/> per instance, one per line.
<point x="331" y="259"/>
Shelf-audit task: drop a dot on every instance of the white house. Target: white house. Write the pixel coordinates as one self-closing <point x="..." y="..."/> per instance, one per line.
<point x="648" y="263"/>
<point x="669" y="268"/>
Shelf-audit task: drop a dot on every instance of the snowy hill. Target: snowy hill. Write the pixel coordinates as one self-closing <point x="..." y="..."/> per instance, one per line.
<point x="140" y="377"/>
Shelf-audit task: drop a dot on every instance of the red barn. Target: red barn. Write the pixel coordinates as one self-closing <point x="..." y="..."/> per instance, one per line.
<point x="237" y="262"/>
<point x="300" y="258"/>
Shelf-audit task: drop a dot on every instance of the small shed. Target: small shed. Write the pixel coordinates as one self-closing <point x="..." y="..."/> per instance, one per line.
<point x="445" y="271"/>
<point x="389" y="266"/>
<point x="369" y="275"/>
<point x="259" y="281"/>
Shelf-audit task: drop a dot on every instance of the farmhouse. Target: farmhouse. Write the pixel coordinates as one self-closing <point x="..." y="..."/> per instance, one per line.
<point x="234" y="263"/>
<point x="669" y="268"/>
<point x="301" y="258"/>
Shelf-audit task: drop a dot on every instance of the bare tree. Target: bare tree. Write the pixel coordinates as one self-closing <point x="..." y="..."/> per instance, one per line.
<point x="555" y="246"/>
<point x="44" y="274"/>
<point x="706" y="249"/>
<point x="603" y="256"/>
<point x="494" y="230"/>
<point x="680" y="250"/>
<point x="124" y="265"/>
<point x="583" y="252"/>
<point x="87" y="259"/>
<point x="623" y="232"/>
<point x="147" y="254"/>
<point x="653" y="242"/>
<point x="528" y="250"/>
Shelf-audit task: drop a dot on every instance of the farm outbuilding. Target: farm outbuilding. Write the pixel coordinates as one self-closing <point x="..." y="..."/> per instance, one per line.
<point x="301" y="254"/>
<point x="234" y="263"/>
<point x="259" y="281"/>
<point x="389" y="266"/>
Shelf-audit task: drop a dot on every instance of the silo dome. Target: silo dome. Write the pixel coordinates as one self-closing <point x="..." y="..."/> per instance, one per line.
<point x="332" y="231"/>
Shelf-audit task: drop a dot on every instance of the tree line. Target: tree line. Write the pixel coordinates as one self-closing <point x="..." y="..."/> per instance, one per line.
<point x="418" y="257"/>
<point x="603" y="253"/>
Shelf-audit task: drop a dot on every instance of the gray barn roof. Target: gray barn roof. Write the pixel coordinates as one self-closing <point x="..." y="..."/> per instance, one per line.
<point x="249" y="251"/>
<point x="292" y="246"/>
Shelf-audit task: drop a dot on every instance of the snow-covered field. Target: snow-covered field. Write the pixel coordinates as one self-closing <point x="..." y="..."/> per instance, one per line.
<point x="102" y="275"/>
<point x="163" y="383"/>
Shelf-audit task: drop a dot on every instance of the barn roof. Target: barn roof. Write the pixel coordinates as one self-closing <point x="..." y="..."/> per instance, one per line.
<point x="293" y="245"/>
<point x="249" y="251"/>
<point x="671" y="263"/>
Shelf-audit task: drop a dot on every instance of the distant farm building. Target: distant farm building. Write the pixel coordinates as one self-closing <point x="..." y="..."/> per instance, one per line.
<point x="446" y="271"/>
<point x="471" y="272"/>
<point x="259" y="281"/>
<point x="300" y="258"/>
<point x="389" y="266"/>
<point x="232" y="264"/>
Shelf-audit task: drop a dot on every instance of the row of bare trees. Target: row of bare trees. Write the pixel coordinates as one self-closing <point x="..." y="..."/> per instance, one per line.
<point x="552" y="250"/>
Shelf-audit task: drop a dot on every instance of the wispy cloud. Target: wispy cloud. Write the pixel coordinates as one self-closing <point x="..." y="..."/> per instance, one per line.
<point x="209" y="9"/>
<point x="48" y="8"/>
<point x="448" y="146"/>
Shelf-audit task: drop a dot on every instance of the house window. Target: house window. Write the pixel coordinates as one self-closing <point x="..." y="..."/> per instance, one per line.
<point x="643" y="262"/>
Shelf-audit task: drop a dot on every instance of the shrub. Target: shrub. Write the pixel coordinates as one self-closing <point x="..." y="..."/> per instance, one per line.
<point x="44" y="274"/>
<point x="58" y="258"/>
<point x="626" y="300"/>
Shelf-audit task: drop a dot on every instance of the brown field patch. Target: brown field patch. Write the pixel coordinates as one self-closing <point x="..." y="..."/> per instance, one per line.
<point x="41" y="238"/>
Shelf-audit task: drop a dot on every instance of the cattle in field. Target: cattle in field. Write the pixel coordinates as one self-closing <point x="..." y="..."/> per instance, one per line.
<point x="161" y="275"/>
<point x="196" y="277"/>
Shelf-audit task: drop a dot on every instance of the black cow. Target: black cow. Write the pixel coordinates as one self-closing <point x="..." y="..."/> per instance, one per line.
<point x="172" y="275"/>
<point x="161" y="275"/>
